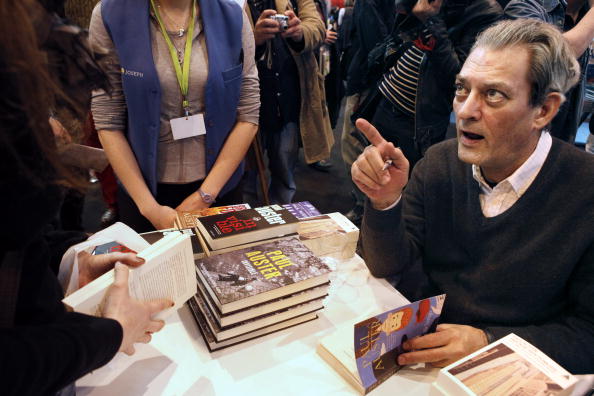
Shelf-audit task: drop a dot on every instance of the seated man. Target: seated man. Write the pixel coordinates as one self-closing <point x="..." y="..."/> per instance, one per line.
<point x="499" y="219"/>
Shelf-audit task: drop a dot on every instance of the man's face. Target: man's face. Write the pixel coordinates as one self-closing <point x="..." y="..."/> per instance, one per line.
<point x="496" y="126"/>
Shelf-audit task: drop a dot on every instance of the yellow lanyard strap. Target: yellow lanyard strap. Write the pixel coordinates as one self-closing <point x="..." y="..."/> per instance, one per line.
<point x="183" y="76"/>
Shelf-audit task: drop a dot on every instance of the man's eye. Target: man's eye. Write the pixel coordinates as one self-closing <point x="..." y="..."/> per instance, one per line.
<point x="494" y="95"/>
<point x="460" y="90"/>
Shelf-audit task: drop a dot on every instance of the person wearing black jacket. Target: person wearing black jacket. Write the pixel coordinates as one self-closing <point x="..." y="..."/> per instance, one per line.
<point x="44" y="348"/>
<point x="371" y="22"/>
<point x="431" y="40"/>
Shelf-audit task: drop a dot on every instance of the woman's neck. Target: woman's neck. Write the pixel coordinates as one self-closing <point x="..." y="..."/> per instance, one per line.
<point x="176" y="5"/>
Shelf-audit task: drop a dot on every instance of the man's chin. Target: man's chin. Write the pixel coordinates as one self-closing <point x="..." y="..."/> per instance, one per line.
<point x="467" y="155"/>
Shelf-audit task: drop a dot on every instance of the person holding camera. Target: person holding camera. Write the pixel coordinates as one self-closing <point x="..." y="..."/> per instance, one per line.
<point x="430" y="42"/>
<point x="292" y="96"/>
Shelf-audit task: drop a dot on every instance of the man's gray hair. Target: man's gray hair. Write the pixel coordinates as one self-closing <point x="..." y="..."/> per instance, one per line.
<point x="553" y="67"/>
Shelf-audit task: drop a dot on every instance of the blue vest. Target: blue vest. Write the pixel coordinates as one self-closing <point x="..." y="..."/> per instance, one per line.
<point x="128" y="24"/>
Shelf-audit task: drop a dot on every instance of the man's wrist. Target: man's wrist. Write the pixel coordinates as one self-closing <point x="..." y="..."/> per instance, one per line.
<point x="489" y="337"/>
<point x="385" y="204"/>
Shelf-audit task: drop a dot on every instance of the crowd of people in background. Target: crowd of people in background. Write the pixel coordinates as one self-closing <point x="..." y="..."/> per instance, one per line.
<point x="390" y="62"/>
<point x="187" y="99"/>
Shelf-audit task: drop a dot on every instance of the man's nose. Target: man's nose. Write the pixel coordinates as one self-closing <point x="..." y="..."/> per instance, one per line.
<point x="469" y="108"/>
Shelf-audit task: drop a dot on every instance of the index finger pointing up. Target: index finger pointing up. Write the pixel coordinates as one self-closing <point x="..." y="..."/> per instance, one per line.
<point x="370" y="132"/>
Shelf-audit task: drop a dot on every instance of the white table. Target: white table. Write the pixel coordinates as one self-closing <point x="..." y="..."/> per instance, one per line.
<point x="285" y="363"/>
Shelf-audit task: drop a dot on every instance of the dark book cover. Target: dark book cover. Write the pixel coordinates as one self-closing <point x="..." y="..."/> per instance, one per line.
<point x="302" y="210"/>
<point x="226" y="225"/>
<point x="153" y="236"/>
<point x="260" y="273"/>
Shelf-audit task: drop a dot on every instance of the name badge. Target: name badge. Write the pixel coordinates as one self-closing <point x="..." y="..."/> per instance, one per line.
<point x="185" y="127"/>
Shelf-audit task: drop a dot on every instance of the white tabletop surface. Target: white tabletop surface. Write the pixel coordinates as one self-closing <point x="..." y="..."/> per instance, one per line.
<point x="177" y="361"/>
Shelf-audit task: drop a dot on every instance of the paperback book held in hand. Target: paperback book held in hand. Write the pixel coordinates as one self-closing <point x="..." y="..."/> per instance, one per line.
<point x="244" y="226"/>
<point x="168" y="272"/>
<point x="509" y="366"/>
<point x="261" y="273"/>
<point x="370" y="357"/>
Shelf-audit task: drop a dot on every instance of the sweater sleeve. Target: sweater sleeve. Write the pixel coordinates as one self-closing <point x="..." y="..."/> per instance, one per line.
<point x="569" y="338"/>
<point x="248" y="108"/>
<point x="313" y="27"/>
<point x="109" y="111"/>
<point x="392" y="240"/>
<point x="42" y="359"/>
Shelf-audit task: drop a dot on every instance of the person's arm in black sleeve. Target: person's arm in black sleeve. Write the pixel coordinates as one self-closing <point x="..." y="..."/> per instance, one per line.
<point x="392" y="239"/>
<point x="372" y="25"/>
<point x="42" y="359"/>
<point x="533" y="9"/>
<point x="59" y="241"/>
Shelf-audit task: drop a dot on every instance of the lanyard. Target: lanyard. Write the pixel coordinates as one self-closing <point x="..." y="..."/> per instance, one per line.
<point x="183" y="76"/>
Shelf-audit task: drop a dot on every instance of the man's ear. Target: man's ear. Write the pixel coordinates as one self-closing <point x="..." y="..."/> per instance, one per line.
<point x="548" y="110"/>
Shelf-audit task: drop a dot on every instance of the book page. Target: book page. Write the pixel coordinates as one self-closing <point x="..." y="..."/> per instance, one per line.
<point x="510" y="365"/>
<point x="167" y="273"/>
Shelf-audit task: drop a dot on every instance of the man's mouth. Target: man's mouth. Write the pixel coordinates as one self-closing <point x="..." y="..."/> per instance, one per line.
<point x="472" y="136"/>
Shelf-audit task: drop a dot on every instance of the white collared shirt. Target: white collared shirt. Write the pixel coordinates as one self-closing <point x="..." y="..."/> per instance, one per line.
<point x="500" y="198"/>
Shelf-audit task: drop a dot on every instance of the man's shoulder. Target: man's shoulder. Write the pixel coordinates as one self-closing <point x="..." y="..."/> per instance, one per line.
<point x="574" y="159"/>
<point x="441" y="161"/>
<point x="448" y="149"/>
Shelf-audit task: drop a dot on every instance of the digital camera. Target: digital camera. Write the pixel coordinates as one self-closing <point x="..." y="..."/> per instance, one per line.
<point x="282" y="20"/>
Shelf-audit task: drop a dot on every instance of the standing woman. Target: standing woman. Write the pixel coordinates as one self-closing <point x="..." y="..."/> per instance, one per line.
<point x="185" y="104"/>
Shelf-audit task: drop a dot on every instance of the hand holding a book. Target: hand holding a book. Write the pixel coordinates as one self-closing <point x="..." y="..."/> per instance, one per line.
<point x="91" y="267"/>
<point x="449" y="343"/>
<point x="134" y="316"/>
<point x="381" y="171"/>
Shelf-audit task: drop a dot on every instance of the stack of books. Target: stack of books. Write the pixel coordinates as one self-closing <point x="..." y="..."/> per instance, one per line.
<point x="257" y="290"/>
<point x="227" y="228"/>
<point x="259" y="270"/>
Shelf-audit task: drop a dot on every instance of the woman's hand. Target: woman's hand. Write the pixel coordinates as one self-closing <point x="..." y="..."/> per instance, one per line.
<point x="135" y="317"/>
<point x="192" y="202"/>
<point x="160" y="216"/>
<point x="90" y="267"/>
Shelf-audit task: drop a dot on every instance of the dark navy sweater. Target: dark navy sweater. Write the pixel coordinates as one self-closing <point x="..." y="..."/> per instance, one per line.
<point x="529" y="270"/>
